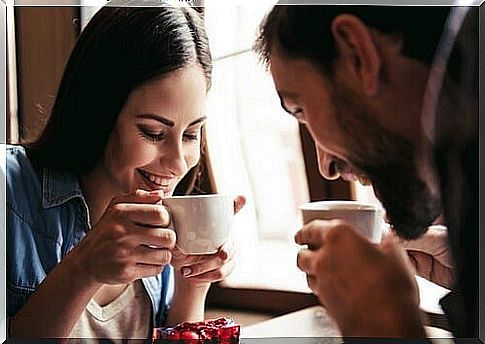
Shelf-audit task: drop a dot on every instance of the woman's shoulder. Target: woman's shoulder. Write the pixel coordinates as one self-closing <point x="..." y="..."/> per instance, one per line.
<point x="18" y="166"/>
<point x="15" y="157"/>
<point x="22" y="182"/>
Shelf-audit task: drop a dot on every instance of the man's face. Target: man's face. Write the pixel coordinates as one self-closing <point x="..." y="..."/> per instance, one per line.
<point x="352" y="143"/>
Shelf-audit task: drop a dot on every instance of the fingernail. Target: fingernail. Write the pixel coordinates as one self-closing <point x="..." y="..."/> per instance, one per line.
<point x="156" y="193"/>
<point x="186" y="271"/>
<point x="223" y="255"/>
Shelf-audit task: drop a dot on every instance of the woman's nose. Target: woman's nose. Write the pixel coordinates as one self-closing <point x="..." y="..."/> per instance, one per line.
<point x="173" y="158"/>
<point x="327" y="164"/>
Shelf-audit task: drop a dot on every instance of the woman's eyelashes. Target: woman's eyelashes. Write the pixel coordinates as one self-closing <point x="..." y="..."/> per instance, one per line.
<point x="151" y="134"/>
<point x="192" y="136"/>
<point x="155" y="136"/>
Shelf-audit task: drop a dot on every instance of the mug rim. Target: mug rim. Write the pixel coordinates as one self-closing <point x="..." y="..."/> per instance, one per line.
<point x="215" y="195"/>
<point x="338" y="205"/>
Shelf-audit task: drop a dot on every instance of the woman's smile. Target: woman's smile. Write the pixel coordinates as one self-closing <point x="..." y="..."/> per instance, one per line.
<point x="157" y="182"/>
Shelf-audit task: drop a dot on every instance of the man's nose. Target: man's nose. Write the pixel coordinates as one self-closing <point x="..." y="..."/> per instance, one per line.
<point x="326" y="164"/>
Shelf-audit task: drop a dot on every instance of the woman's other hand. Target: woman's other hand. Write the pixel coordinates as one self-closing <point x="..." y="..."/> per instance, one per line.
<point x="431" y="257"/>
<point x="207" y="268"/>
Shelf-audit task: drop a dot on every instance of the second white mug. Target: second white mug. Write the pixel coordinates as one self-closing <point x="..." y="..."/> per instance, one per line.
<point x="364" y="217"/>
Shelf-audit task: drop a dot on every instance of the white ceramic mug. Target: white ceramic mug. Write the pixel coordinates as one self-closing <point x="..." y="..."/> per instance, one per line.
<point x="202" y="222"/>
<point x="364" y="217"/>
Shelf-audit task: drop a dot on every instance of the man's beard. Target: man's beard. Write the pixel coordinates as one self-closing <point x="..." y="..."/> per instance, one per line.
<point x="388" y="162"/>
<point x="410" y="206"/>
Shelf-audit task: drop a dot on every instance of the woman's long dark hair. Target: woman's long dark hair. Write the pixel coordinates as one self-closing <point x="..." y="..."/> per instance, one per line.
<point x="120" y="48"/>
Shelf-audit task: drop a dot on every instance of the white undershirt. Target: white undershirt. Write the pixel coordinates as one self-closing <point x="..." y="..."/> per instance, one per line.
<point x="126" y="317"/>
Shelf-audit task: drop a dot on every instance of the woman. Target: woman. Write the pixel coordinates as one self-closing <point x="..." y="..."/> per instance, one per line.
<point x="87" y="234"/>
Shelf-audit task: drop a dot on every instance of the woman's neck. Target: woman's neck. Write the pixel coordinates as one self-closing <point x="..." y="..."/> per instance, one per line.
<point x="97" y="192"/>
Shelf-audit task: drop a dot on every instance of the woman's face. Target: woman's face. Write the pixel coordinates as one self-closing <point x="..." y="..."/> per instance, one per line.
<point x="156" y="138"/>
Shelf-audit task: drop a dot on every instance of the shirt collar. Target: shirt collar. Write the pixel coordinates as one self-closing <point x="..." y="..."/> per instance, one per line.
<point x="58" y="187"/>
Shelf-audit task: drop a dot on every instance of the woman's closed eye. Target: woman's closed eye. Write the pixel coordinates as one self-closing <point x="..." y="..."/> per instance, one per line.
<point x="152" y="135"/>
<point x="159" y="135"/>
<point x="192" y="135"/>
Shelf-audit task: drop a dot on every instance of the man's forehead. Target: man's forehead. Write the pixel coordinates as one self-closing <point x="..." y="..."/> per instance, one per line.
<point x="289" y="74"/>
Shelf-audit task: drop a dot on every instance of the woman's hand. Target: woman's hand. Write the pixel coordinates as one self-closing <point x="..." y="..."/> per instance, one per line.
<point x="199" y="270"/>
<point x="431" y="257"/>
<point x="129" y="241"/>
<point x="194" y="275"/>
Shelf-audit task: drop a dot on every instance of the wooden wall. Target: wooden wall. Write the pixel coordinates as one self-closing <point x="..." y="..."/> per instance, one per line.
<point x="44" y="39"/>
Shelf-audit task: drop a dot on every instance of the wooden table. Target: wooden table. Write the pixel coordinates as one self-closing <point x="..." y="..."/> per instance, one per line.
<point x="311" y="325"/>
<point x="308" y="322"/>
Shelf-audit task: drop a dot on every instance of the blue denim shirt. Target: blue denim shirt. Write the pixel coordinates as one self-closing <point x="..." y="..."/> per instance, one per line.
<point x="46" y="217"/>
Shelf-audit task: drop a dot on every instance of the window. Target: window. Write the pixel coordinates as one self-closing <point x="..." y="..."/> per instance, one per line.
<point x="255" y="150"/>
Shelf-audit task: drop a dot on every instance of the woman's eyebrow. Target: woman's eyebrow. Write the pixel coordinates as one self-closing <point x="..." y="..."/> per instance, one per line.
<point x="167" y="121"/>
<point x="198" y="120"/>
<point x="159" y="118"/>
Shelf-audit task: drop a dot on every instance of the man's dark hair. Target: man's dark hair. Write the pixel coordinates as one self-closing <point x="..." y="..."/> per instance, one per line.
<point x="120" y="48"/>
<point x="305" y="31"/>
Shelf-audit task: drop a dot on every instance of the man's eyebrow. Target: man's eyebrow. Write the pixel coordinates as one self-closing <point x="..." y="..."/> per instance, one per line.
<point x="158" y="118"/>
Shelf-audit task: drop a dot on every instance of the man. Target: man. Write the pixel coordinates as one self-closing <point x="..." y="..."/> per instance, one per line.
<point x="356" y="77"/>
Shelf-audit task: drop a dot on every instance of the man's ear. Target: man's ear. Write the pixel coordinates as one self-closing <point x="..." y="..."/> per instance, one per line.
<point x="357" y="51"/>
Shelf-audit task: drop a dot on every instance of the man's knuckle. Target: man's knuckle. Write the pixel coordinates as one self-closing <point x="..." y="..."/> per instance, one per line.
<point x="298" y="259"/>
<point x="333" y="235"/>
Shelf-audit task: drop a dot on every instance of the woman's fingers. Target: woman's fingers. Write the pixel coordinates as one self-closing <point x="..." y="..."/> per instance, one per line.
<point x="154" y="237"/>
<point x="206" y="264"/>
<point x="216" y="274"/>
<point x="152" y="256"/>
<point x="227" y="250"/>
<point x="139" y="197"/>
<point x="153" y="215"/>
<point x="239" y="203"/>
<point x="147" y="270"/>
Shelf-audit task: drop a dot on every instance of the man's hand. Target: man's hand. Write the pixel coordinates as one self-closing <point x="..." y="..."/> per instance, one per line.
<point x="431" y="256"/>
<point x="368" y="289"/>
